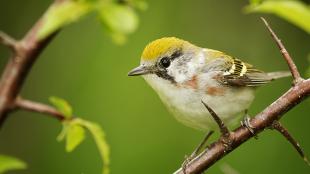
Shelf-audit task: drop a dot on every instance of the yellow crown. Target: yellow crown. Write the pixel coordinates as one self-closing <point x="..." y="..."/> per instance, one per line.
<point x="161" y="46"/>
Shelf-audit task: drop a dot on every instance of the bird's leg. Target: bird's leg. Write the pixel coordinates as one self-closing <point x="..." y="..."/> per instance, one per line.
<point x="196" y="151"/>
<point x="246" y="123"/>
<point x="201" y="145"/>
<point x="225" y="133"/>
<point x="277" y="126"/>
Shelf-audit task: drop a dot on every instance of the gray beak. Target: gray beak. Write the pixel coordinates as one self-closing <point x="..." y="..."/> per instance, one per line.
<point x="140" y="70"/>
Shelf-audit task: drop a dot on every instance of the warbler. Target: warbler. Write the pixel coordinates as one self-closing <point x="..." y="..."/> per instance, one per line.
<point x="184" y="75"/>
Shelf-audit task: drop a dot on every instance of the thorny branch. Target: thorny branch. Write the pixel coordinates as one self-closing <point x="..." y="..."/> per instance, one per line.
<point x="27" y="50"/>
<point x="267" y="118"/>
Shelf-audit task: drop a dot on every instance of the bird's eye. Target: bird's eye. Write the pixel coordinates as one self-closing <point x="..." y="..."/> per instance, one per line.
<point x="165" y="62"/>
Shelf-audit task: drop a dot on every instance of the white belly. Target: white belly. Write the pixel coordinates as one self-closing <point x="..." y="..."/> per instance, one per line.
<point x="186" y="105"/>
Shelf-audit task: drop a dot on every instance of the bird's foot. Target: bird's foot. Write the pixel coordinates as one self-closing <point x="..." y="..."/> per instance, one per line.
<point x="186" y="162"/>
<point x="247" y="124"/>
<point x="199" y="148"/>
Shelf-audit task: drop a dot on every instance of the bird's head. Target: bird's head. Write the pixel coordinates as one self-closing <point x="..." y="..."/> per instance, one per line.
<point x="168" y="58"/>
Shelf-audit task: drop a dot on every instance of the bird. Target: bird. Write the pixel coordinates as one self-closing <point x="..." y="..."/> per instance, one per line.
<point x="185" y="75"/>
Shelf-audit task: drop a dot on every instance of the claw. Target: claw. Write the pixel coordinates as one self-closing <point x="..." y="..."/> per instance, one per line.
<point x="195" y="152"/>
<point x="185" y="163"/>
<point x="246" y="123"/>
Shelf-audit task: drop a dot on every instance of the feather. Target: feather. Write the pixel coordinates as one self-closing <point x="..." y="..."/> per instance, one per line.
<point x="244" y="74"/>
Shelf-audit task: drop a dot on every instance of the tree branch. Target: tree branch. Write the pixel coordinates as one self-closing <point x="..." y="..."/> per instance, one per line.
<point x="263" y="120"/>
<point x="19" y="65"/>
<point x="38" y="107"/>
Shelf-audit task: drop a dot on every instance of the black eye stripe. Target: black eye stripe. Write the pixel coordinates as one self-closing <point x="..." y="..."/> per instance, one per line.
<point x="164" y="63"/>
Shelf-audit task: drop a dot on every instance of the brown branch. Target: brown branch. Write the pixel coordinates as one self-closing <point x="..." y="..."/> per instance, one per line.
<point x="293" y="68"/>
<point x="38" y="107"/>
<point x="263" y="120"/>
<point x="19" y="65"/>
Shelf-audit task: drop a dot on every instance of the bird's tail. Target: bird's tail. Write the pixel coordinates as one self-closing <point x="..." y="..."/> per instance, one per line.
<point x="278" y="74"/>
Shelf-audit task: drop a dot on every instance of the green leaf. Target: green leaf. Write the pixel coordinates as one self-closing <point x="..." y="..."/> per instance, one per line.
<point x="75" y="135"/>
<point x="119" y="20"/>
<point x="100" y="141"/>
<point x="62" y="106"/>
<point x="293" y="11"/>
<point x="64" y="131"/>
<point x="74" y="132"/>
<point x="10" y="163"/>
<point x="61" y="14"/>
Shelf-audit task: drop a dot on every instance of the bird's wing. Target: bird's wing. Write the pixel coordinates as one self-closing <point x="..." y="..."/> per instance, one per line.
<point x="236" y="72"/>
<point x="239" y="73"/>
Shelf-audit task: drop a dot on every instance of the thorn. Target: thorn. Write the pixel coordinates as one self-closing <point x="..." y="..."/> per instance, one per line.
<point x="277" y="126"/>
<point x="223" y="128"/>
<point x="226" y="135"/>
<point x="306" y="160"/>
<point x="293" y="68"/>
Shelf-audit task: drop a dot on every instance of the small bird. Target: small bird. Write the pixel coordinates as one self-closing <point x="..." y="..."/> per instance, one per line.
<point x="184" y="75"/>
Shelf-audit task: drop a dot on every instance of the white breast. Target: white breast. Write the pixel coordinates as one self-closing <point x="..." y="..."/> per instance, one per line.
<point x="186" y="106"/>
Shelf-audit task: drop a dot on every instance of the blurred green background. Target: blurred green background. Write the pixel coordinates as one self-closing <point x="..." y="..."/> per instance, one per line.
<point x="86" y="68"/>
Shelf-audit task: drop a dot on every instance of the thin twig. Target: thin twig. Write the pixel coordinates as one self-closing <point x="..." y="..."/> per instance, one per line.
<point x="263" y="120"/>
<point x="278" y="126"/>
<point x="8" y="41"/>
<point x="285" y="54"/>
<point x="38" y="107"/>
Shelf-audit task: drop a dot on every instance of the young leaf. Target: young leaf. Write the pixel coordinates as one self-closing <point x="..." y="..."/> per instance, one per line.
<point x="61" y="14"/>
<point x="119" y="20"/>
<point x="100" y="141"/>
<point x="75" y="135"/>
<point x="10" y="163"/>
<point x="64" y="131"/>
<point x="62" y="106"/>
<point x="295" y="11"/>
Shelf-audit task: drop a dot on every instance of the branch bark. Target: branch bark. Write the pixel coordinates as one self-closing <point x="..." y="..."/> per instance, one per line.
<point x="297" y="93"/>
<point x="26" y="51"/>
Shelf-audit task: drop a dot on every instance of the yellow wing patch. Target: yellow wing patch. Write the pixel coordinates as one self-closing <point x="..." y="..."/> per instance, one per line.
<point x="161" y="46"/>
